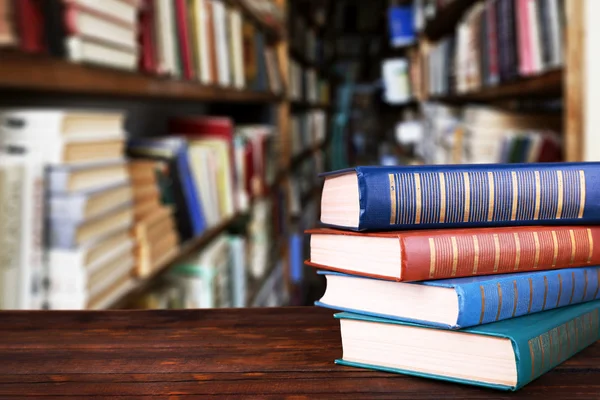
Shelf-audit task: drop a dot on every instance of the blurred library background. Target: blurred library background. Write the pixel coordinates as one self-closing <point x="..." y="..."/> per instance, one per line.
<point x="166" y="153"/>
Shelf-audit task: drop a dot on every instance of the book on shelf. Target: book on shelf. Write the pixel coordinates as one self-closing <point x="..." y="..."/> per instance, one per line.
<point x="215" y="137"/>
<point x="457" y="303"/>
<point x="206" y="277"/>
<point x="478" y="134"/>
<point x="8" y="34"/>
<point x="395" y="73"/>
<point x="178" y="180"/>
<point x="495" y="42"/>
<point x="503" y="355"/>
<point x="387" y="198"/>
<point x="401" y="26"/>
<point x="81" y="175"/>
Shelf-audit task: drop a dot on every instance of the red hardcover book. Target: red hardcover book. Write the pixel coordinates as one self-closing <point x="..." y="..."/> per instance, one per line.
<point x="524" y="43"/>
<point x="30" y="25"/>
<point x="183" y="37"/>
<point x="452" y="253"/>
<point x="148" y="58"/>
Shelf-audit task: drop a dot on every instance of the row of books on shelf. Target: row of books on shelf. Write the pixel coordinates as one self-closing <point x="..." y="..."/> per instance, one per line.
<point x="483" y="275"/>
<point x="305" y="40"/>
<point x="479" y="134"/>
<point x="497" y="41"/>
<point x="211" y="41"/>
<point x="218" y="277"/>
<point x="95" y="209"/>
<point x="308" y="130"/>
<point x="305" y="85"/>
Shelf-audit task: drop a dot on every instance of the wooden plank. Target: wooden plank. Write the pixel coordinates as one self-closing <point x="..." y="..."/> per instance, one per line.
<point x="259" y="353"/>
<point x="45" y="74"/>
<point x="546" y="84"/>
<point x="574" y="83"/>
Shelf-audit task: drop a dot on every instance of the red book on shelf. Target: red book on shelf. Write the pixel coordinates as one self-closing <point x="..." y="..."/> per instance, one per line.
<point x="148" y="59"/>
<point x="30" y="25"/>
<point x="453" y="253"/>
<point x="524" y="40"/>
<point x="183" y="32"/>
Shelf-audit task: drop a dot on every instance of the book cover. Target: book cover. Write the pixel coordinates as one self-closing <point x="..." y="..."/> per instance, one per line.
<point x="30" y="26"/>
<point x="183" y="36"/>
<point x="476" y="195"/>
<point x="487" y="299"/>
<point x="540" y="341"/>
<point x="449" y="253"/>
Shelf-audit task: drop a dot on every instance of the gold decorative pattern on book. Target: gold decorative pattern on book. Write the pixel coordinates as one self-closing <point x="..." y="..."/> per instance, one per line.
<point x="558" y="344"/>
<point x="545" y="292"/>
<point x="473" y="196"/>
<point x="506" y="251"/>
<point x="572" y="287"/>
<point x="516" y="299"/>
<point x="499" y="301"/>
<point x="482" y="304"/>
<point x="559" y="290"/>
<point x="590" y="245"/>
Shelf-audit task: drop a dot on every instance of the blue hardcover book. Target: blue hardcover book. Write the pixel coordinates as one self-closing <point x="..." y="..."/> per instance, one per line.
<point x="175" y="150"/>
<point x="412" y="197"/>
<point x="505" y="355"/>
<point x="462" y="302"/>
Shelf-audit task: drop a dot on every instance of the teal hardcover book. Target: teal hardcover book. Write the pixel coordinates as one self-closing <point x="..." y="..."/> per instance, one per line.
<point x="504" y="355"/>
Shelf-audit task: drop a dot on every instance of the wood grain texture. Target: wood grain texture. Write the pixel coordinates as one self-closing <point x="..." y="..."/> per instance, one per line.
<point x="259" y="353"/>
<point x="44" y="74"/>
<point x="574" y="82"/>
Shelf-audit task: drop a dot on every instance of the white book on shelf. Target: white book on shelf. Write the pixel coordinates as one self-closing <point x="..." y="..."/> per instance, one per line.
<point x="220" y="35"/>
<point x="203" y="168"/>
<point x="12" y="176"/>
<point x="200" y="9"/>
<point x="69" y="125"/>
<point x="84" y="178"/>
<point x="82" y="50"/>
<point x="103" y="279"/>
<point x="556" y="31"/>
<point x="90" y="257"/>
<point x="74" y="278"/>
<point x="87" y="205"/>
<point x="125" y="11"/>
<point x="31" y="231"/>
<point x="93" y="26"/>
<point x="166" y="36"/>
<point x="239" y="81"/>
<point x="70" y="235"/>
<point x="534" y="36"/>
<point x="237" y="251"/>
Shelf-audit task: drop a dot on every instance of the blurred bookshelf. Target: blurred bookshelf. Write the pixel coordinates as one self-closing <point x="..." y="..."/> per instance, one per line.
<point x="191" y="159"/>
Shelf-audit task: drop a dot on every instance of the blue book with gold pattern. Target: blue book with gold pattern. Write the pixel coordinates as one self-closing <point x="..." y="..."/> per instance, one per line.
<point x="462" y="302"/>
<point x="411" y="197"/>
<point x="504" y="355"/>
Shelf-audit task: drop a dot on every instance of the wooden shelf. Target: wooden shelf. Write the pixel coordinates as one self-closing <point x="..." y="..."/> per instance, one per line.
<point x="185" y="250"/>
<point x="44" y="74"/>
<point x="549" y="83"/>
<point x="446" y="19"/>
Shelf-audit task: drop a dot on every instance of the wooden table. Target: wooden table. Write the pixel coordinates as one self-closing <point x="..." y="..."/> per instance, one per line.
<point x="259" y="353"/>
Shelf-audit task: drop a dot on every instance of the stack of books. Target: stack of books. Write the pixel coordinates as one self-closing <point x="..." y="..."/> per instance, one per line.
<point x="155" y="231"/>
<point x="76" y="211"/>
<point x="482" y="274"/>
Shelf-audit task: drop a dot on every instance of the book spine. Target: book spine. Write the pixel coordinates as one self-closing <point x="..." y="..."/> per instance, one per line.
<point x="461" y="253"/>
<point x="492" y="39"/>
<point x="184" y="38"/>
<point x="540" y="353"/>
<point x="455" y="196"/>
<point x="190" y="193"/>
<point x="523" y="294"/>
